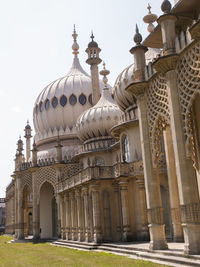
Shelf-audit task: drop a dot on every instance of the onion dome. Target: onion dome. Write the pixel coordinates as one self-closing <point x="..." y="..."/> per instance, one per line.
<point x="166" y="6"/>
<point x="92" y="43"/>
<point x="60" y="103"/>
<point x="98" y="120"/>
<point x="20" y="145"/>
<point x="150" y="19"/>
<point x="123" y="98"/>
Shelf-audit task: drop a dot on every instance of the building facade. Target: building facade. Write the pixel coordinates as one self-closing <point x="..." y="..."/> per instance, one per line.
<point x="118" y="164"/>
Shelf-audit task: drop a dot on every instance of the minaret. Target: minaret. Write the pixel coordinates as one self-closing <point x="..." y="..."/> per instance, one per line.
<point x="150" y="19"/>
<point x="20" y="148"/>
<point x="93" y="60"/>
<point x="28" y="140"/>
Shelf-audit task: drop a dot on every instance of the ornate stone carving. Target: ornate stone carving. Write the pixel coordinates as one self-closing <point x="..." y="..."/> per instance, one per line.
<point x="195" y="31"/>
<point x="190" y="213"/>
<point x="155" y="215"/>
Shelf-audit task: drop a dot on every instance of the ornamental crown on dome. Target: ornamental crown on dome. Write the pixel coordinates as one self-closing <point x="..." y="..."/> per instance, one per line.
<point x="60" y="103"/>
<point x="98" y="120"/>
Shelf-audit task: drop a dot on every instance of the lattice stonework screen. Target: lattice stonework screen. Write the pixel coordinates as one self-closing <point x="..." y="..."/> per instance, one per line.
<point x="158" y="112"/>
<point x="188" y="74"/>
<point x="26" y="180"/>
<point x="46" y="174"/>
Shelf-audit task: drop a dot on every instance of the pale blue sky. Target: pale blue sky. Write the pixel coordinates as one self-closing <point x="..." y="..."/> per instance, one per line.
<point x="35" y="49"/>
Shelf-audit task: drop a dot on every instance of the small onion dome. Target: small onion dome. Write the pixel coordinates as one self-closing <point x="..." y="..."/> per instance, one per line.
<point x="27" y="127"/>
<point x="98" y="120"/>
<point x="123" y="98"/>
<point x="92" y="43"/>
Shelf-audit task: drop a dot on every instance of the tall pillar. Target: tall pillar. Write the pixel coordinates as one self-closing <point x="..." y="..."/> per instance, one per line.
<point x="173" y="186"/>
<point x="63" y="217"/>
<point x="73" y="216"/>
<point x="36" y="212"/>
<point x="16" y="209"/>
<point x="86" y="213"/>
<point x="68" y="217"/>
<point x="58" y="202"/>
<point x="152" y="183"/>
<point x="126" y="236"/>
<point x="118" y="216"/>
<point x="20" y="211"/>
<point x="96" y="213"/>
<point x="143" y="231"/>
<point x="79" y="215"/>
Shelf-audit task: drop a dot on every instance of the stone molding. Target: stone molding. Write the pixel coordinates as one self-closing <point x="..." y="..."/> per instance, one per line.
<point x="166" y="63"/>
<point x="190" y="213"/>
<point x="195" y="31"/>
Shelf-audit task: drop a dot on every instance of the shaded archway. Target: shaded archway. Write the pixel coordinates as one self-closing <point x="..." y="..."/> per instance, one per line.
<point x="48" y="212"/>
<point x="27" y="207"/>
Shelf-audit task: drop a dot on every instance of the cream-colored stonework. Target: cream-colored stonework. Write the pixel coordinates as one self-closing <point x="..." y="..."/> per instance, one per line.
<point x="118" y="170"/>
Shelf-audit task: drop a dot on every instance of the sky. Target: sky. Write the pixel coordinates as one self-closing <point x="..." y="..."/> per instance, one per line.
<point x="35" y="49"/>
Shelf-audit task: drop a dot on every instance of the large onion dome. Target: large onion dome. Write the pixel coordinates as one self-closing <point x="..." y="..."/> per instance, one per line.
<point x="96" y="122"/>
<point x="60" y="103"/>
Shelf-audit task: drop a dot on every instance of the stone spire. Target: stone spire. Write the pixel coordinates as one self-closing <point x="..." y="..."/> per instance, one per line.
<point x="137" y="37"/>
<point x="20" y="145"/>
<point x="28" y="136"/>
<point x="150" y="19"/>
<point x="93" y="60"/>
<point x="75" y="46"/>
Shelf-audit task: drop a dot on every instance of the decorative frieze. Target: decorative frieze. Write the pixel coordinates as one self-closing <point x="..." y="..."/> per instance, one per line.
<point x="190" y="213"/>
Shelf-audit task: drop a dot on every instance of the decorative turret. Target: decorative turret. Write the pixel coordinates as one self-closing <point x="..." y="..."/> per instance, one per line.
<point x="28" y="136"/>
<point x="34" y="154"/>
<point x="93" y="60"/>
<point x="20" y="145"/>
<point x="150" y="19"/>
<point x="139" y="56"/>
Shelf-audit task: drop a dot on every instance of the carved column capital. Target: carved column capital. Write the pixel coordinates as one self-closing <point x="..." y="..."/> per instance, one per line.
<point x="155" y="215"/>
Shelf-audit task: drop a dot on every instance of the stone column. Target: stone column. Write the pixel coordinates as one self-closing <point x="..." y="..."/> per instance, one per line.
<point x="152" y="183"/>
<point x="73" y="216"/>
<point x="63" y="217"/>
<point x="20" y="211"/>
<point x="86" y="213"/>
<point x="118" y="216"/>
<point x="16" y="210"/>
<point x="173" y="187"/>
<point x="36" y="223"/>
<point x="58" y="202"/>
<point x="68" y="217"/>
<point x="123" y="184"/>
<point x="187" y="182"/>
<point x="96" y="213"/>
<point x="143" y="231"/>
<point x="79" y="215"/>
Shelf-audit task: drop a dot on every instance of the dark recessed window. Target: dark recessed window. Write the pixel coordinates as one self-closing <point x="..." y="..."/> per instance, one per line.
<point x="72" y="100"/>
<point x="82" y="99"/>
<point x="90" y="99"/>
<point x="63" y="101"/>
<point x="47" y="104"/>
<point x="41" y="107"/>
<point x="54" y="102"/>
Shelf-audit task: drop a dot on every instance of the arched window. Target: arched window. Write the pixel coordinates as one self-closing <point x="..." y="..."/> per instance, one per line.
<point x="41" y="107"/>
<point x="54" y="102"/>
<point x="125" y="149"/>
<point x="72" y="100"/>
<point x="90" y="99"/>
<point x="47" y="104"/>
<point x="63" y="100"/>
<point x="82" y="99"/>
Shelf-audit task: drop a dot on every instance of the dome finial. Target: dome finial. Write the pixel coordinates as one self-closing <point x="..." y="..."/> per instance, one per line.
<point x="104" y="73"/>
<point x="92" y="36"/>
<point x="75" y="46"/>
<point x="137" y="37"/>
<point x="150" y="19"/>
<point x="166" y="6"/>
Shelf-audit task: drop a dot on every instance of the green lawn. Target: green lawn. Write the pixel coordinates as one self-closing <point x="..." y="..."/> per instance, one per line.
<point x="43" y="254"/>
